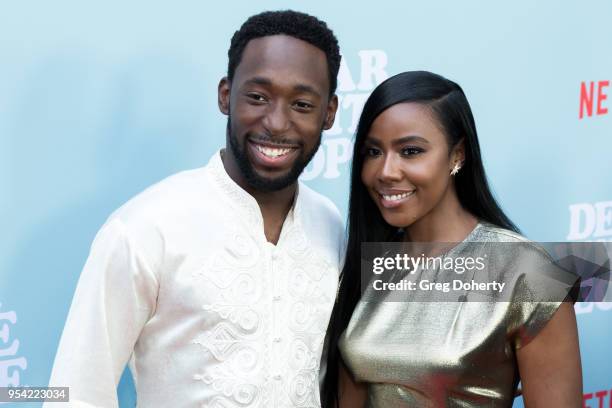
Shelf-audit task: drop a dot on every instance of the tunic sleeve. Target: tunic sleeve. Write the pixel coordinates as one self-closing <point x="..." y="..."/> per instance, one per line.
<point x="115" y="296"/>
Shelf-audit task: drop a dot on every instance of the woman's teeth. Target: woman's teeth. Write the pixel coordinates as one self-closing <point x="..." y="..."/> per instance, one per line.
<point x="396" y="197"/>
<point x="272" y="152"/>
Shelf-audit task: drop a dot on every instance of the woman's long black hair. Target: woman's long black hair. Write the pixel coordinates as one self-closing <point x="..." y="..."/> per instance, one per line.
<point x="365" y="223"/>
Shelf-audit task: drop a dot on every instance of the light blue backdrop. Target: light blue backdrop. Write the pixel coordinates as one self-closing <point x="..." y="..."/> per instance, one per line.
<point x="98" y="100"/>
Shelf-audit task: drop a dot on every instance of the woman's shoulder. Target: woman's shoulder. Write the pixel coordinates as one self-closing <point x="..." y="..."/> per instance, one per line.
<point x="509" y="243"/>
<point x="487" y="232"/>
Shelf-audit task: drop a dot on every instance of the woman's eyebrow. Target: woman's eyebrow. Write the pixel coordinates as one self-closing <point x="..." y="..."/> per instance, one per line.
<point x="412" y="138"/>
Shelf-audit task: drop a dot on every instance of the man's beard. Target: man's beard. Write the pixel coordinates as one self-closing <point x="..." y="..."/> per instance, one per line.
<point x="258" y="182"/>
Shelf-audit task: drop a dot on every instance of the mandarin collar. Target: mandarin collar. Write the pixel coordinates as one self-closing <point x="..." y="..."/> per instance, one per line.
<point x="242" y="200"/>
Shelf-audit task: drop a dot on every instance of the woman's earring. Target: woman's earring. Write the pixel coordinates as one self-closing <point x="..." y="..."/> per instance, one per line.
<point x="455" y="169"/>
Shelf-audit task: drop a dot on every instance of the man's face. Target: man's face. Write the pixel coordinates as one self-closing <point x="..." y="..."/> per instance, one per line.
<point x="277" y="105"/>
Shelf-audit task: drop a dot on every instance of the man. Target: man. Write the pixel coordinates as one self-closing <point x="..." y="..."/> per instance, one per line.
<point x="217" y="284"/>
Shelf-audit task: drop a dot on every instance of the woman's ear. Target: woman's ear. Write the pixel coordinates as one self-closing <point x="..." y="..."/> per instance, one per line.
<point x="457" y="157"/>
<point x="459" y="151"/>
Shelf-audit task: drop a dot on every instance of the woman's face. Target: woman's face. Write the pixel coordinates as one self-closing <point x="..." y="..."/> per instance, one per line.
<point x="407" y="164"/>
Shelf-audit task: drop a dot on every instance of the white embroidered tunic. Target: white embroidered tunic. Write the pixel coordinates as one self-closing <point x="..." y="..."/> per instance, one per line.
<point x="182" y="283"/>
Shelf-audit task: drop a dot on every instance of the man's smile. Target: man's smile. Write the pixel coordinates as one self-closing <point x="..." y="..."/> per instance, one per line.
<point x="274" y="155"/>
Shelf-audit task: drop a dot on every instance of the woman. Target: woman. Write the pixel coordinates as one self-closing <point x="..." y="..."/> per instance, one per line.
<point x="417" y="176"/>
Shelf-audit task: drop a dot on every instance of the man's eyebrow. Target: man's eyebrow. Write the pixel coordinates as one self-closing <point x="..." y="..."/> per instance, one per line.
<point x="257" y="80"/>
<point x="307" y="89"/>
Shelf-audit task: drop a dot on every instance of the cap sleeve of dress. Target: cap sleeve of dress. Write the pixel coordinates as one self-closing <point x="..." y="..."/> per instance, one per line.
<point x="539" y="288"/>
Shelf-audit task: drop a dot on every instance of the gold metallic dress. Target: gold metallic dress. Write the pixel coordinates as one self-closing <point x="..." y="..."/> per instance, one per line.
<point x="447" y="354"/>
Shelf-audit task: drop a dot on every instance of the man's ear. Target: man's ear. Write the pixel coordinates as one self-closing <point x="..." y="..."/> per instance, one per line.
<point x="223" y="95"/>
<point x="330" y="112"/>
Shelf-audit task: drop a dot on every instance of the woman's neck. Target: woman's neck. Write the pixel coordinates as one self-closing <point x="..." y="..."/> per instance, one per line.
<point x="447" y="222"/>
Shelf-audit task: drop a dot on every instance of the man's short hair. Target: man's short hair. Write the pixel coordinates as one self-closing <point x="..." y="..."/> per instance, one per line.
<point x="292" y="23"/>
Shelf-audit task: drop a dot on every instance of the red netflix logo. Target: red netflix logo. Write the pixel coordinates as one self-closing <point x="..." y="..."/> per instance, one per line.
<point x="598" y="399"/>
<point x="593" y="94"/>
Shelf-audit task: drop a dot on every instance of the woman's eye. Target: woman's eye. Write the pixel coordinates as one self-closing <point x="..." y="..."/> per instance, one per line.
<point x="372" y="151"/>
<point x="411" y="151"/>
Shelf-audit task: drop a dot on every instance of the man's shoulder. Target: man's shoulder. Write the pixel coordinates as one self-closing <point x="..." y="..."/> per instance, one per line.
<point x="322" y="223"/>
<point x="319" y="206"/>
<point x="164" y="198"/>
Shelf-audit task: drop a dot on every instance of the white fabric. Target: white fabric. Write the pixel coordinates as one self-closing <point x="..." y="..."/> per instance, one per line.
<point x="182" y="283"/>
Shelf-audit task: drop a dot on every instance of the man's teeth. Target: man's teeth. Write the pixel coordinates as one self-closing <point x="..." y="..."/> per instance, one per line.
<point x="395" y="197"/>
<point x="272" y="152"/>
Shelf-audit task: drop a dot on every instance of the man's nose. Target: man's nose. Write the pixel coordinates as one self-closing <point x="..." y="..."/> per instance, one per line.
<point x="277" y="121"/>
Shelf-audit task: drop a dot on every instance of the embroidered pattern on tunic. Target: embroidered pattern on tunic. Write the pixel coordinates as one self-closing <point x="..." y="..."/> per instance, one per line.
<point x="245" y="316"/>
<point x="266" y="322"/>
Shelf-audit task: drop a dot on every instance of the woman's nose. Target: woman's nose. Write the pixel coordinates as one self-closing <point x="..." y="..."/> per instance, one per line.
<point x="390" y="169"/>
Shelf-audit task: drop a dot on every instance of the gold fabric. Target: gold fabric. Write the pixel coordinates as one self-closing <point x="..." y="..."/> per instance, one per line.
<point x="447" y="354"/>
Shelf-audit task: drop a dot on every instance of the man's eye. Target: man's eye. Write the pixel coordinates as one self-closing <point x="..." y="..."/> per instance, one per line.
<point x="256" y="97"/>
<point x="303" y="105"/>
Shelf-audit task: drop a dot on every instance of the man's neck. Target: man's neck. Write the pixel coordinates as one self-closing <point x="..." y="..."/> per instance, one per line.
<point x="274" y="205"/>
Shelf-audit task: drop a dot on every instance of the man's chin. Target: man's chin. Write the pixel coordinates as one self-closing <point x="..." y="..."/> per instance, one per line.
<point x="269" y="181"/>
